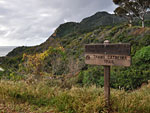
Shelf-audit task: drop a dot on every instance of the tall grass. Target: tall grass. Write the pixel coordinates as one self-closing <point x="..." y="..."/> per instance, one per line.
<point x="41" y="98"/>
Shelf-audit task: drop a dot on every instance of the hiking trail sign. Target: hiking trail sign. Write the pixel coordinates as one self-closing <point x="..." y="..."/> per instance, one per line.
<point x="108" y="54"/>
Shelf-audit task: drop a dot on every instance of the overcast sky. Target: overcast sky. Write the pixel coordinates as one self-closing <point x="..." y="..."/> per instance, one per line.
<point x="31" y="22"/>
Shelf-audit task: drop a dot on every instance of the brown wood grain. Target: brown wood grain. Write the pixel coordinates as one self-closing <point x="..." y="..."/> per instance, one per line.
<point x="119" y="49"/>
<point x="108" y="60"/>
<point x="108" y="54"/>
<point x="107" y="84"/>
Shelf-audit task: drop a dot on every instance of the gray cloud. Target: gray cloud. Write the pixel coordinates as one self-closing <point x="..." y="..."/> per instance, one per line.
<point x="31" y="22"/>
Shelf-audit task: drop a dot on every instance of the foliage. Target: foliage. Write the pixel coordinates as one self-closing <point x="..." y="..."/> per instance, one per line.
<point x="39" y="97"/>
<point x="131" y="78"/>
<point x="93" y="75"/>
<point x="64" y="56"/>
<point x="35" y="64"/>
<point x="1" y="74"/>
<point x="127" y="78"/>
<point x="142" y="56"/>
<point x="67" y="59"/>
<point x="132" y="8"/>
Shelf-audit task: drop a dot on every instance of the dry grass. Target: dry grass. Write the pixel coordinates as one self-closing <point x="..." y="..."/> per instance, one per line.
<point x="16" y="97"/>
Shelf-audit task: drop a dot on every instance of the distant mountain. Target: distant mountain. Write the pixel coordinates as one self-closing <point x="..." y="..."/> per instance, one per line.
<point x="70" y="29"/>
<point x="88" y="24"/>
<point x="100" y="19"/>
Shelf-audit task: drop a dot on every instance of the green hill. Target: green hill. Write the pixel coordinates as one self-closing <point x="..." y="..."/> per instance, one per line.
<point x="63" y="53"/>
<point x="71" y="28"/>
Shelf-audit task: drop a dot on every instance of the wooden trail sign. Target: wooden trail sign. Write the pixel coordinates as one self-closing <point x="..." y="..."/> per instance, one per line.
<point x="108" y="55"/>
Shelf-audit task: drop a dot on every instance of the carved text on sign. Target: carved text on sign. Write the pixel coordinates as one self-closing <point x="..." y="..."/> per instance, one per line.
<point x="101" y="59"/>
<point x="108" y="54"/>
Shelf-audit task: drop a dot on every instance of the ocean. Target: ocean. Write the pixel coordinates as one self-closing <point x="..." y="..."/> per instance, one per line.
<point x="4" y="50"/>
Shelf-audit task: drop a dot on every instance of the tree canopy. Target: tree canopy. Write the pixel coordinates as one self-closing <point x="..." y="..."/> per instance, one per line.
<point x="132" y="9"/>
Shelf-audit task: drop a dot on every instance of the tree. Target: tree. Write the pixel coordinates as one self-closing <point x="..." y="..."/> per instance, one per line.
<point x="142" y="7"/>
<point x="123" y="13"/>
<point x="132" y="9"/>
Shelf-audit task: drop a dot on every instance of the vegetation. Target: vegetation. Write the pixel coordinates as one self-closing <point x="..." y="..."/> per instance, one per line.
<point x="42" y="97"/>
<point x="52" y="77"/>
<point x="132" y="9"/>
<point x="67" y="59"/>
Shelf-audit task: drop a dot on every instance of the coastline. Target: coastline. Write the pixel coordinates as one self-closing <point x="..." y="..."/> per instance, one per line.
<point x="4" y="50"/>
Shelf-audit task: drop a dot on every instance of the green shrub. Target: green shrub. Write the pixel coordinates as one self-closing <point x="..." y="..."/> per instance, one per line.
<point x="1" y="74"/>
<point x="132" y="77"/>
<point x="142" y="56"/>
<point x="94" y="75"/>
<point x="129" y="78"/>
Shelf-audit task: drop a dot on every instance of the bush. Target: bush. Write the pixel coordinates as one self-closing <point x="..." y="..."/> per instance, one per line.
<point x="94" y="75"/>
<point x="142" y="56"/>
<point x="132" y="77"/>
<point x="129" y="78"/>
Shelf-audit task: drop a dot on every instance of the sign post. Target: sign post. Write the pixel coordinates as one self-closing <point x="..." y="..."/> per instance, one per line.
<point x="107" y="81"/>
<point x="108" y="54"/>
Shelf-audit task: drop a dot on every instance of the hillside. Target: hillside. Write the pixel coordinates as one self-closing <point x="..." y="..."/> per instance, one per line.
<point x="63" y="53"/>
<point x="96" y="21"/>
<point x="72" y="28"/>
<point x="53" y="77"/>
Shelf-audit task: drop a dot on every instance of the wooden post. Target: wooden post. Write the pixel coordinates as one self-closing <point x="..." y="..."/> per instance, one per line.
<point x="107" y="82"/>
<point x="107" y="54"/>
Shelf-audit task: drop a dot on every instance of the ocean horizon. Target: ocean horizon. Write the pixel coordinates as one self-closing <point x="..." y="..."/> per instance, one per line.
<point x="4" y="50"/>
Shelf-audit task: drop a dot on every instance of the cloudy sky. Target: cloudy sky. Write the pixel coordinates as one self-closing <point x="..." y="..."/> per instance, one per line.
<point x="31" y="22"/>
